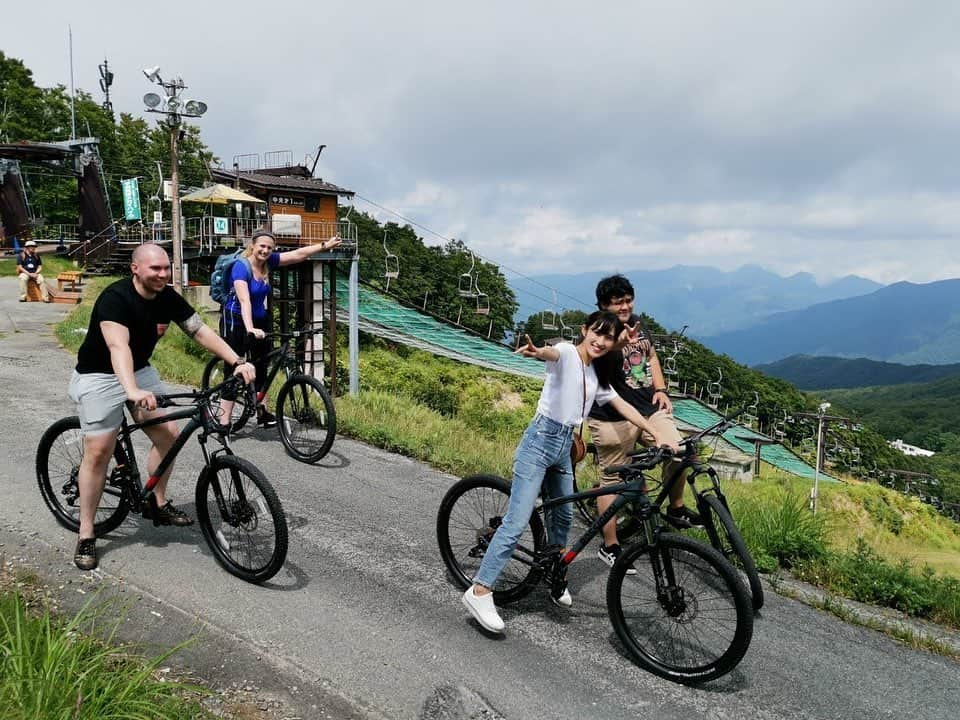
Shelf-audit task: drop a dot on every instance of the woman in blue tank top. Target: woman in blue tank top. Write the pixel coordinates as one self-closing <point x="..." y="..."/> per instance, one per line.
<point x="245" y="320"/>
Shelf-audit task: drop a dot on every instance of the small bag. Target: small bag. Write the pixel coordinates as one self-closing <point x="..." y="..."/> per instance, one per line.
<point x="578" y="449"/>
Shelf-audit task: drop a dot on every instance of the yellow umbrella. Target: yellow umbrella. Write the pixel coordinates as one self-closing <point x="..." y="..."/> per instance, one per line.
<point x="220" y="194"/>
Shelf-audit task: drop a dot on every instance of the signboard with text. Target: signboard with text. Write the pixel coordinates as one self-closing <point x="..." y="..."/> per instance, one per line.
<point x="131" y="199"/>
<point x="221" y="226"/>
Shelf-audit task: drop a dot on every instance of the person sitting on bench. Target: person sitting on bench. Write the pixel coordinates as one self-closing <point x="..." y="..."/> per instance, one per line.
<point x="28" y="268"/>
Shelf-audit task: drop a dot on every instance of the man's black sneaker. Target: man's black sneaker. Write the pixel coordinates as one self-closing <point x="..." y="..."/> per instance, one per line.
<point x="85" y="556"/>
<point x="610" y="554"/>
<point x="168" y="515"/>
<point x="683" y="517"/>
<point x="265" y="418"/>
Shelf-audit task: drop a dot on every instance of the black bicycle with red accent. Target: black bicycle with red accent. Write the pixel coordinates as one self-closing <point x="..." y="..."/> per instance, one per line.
<point x="684" y="613"/>
<point x="237" y="510"/>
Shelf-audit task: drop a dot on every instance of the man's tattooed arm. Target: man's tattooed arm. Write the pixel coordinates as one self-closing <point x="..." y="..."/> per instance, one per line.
<point x="191" y="326"/>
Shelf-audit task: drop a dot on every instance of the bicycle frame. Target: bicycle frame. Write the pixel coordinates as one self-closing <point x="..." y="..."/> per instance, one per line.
<point x="626" y="492"/>
<point x="126" y="458"/>
<point x="282" y="358"/>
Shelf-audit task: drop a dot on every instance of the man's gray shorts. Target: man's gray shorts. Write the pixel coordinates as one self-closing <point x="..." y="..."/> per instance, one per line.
<point x="100" y="397"/>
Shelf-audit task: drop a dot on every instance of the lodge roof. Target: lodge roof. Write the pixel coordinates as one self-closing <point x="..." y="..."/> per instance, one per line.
<point x="269" y="179"/>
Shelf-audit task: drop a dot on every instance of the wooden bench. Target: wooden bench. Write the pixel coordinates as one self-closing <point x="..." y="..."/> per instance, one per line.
<point x="69" y="280"/>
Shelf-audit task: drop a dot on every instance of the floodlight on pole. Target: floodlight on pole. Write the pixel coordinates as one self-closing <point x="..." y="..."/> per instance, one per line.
<point x="175" y="110"/>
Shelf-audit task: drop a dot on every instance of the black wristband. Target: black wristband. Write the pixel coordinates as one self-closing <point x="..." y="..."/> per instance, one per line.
<point x="663" y="390"/>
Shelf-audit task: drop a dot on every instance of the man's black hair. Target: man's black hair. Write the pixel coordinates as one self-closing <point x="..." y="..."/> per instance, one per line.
<point x="613" y="286"/>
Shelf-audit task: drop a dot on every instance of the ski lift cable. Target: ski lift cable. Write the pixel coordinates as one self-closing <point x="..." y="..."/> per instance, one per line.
<point x="578" y="301"/>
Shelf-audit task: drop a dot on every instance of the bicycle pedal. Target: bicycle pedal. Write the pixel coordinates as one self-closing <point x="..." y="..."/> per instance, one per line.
<point x="551" y="550"/>
<point x="150" y="509"/>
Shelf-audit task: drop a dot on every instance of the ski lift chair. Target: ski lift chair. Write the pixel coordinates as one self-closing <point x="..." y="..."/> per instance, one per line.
<point x="483" y="300"/>
<point x="465" y="286"/>
<point x="548" y="318"/>
<point x="391" y="261"/>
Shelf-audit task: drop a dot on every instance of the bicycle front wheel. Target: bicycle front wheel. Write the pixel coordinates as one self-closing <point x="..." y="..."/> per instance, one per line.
<point x="684" y="615"/>
<point x="469" y="515"/>
<point x="241" y="519"/>
<point x="306" y="418"/>
<point x="725" y="537"/>
<point x="213" y="376"/>
<point x="59" y="455"/>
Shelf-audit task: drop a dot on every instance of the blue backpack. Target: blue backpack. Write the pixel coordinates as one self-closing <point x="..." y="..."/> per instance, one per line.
<point x="220" y="285"/>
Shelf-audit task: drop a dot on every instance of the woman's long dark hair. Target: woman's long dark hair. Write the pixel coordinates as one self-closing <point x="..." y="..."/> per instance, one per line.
<point x="604" y="322"/>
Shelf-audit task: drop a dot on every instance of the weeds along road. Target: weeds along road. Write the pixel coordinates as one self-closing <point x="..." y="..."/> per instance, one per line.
<point x="362" y="622"/>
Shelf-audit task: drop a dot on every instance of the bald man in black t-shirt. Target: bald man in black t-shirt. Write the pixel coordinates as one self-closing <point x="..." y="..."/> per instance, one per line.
<point x="113" y="369"/>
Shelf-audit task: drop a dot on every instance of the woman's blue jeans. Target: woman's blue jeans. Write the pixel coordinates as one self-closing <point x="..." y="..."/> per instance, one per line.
<point x="541" y="460"/>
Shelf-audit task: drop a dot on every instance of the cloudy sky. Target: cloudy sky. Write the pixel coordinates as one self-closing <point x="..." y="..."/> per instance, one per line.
<point x="564" y="137"/>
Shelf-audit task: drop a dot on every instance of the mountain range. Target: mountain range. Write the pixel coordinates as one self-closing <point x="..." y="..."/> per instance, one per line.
<point x="903" y="323"/>
<point x="829" y="373"/>
<point x="707" y="300"/>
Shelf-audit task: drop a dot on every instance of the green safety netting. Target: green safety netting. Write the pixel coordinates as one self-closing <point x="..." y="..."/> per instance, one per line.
<point x="384" y="317"/>
<point x="700" y="416"/>
<point x="381" y="316"/>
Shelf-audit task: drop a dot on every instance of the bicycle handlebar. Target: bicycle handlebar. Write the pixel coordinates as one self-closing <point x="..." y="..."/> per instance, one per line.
<point x="232" y="384"/>
<point x="649" y="458"/>
<point x="293" y="334"/>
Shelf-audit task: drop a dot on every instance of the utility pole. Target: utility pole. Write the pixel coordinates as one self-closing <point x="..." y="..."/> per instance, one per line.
<point x="822" y="419"/>
<point x="175" y="209"/>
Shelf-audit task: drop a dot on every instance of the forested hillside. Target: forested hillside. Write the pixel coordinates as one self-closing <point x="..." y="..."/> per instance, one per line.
<point x="926" y="414"/>
<point x="826" y="373"/>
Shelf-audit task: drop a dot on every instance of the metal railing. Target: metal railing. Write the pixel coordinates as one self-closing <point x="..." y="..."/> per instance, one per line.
<point x="208" y="233"/>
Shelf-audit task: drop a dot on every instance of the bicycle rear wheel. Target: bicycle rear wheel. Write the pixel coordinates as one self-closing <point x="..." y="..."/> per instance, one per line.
<point x="306" y="418"/>
<point x="725" y="537"/>
<point x="685" y="615"/>
<point x="213" y="376"/>
<point x="469" y="515"/>
<point x="241" y="519"/>
<point x="59" y="455"/>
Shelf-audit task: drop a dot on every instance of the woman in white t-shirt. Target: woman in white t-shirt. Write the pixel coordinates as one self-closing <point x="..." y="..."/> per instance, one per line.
<point x="574" y="380"/>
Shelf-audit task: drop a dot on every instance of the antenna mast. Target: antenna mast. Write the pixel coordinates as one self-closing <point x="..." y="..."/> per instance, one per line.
<point x="73" y="115"/>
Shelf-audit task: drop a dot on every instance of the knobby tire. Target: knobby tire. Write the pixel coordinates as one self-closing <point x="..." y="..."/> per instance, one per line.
<point x="248" y="539"/>
<point x="469" y="515"/>
<point x="697" y="627"/>
<point x="59" y="454"/>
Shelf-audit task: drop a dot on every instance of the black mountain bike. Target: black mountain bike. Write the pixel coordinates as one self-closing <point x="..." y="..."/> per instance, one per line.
<point x="305" y="415"/>
<point x="237" y="509"/>
<point x="684" y="615"/>
<point x="719" y="525"/>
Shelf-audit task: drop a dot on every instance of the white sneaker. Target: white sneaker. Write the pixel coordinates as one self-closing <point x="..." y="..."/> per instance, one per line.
<point x="610" y="554"/>
<point x="565" y="600"/>
<point x="483" y="610"/>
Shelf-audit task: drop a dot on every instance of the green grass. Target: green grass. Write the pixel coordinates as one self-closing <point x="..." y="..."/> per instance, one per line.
<point x="52" y="669"/>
